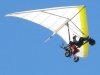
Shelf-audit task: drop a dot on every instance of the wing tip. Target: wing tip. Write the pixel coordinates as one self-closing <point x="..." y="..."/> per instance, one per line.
<point x="7" y="15"/>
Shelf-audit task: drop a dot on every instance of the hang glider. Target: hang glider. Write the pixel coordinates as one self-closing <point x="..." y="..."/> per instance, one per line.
<point x="59" y="20"/>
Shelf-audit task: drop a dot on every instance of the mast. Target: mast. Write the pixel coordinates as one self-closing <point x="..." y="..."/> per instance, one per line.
<point x="68" y="30"/>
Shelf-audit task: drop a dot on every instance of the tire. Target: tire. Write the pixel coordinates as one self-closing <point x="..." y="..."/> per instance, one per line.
<point x="91" y="41"/>
<point x="67" y="53"/>
<point x="76" y="59"/>
<point x="67" y="49"/>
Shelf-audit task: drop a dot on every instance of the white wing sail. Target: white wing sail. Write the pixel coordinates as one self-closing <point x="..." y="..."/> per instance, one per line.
<point x="55" y="19"/>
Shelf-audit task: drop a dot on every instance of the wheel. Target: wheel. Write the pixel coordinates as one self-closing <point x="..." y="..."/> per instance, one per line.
<point x="91" y="41"/>
<point x="67" y="48"/>
<point x="76" y="59"/>
<point x="67" y="53"/>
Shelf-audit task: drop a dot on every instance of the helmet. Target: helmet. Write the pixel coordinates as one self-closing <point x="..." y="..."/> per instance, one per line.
<point x="74" y="37"/>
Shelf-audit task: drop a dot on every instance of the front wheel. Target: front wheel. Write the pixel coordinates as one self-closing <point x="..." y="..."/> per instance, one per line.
<point x="76" y="59"/>
<point x="67" y="53"/>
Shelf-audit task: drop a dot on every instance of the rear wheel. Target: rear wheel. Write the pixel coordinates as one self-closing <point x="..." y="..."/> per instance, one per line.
<point x="76" y="59"/>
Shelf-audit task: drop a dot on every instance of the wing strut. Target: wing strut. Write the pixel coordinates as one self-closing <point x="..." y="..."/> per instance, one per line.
<point x="68" y="30"/>
<point x="65" y="23"/>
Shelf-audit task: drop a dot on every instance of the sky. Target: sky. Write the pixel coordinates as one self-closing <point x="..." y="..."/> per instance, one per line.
<point x="22" y="47"/>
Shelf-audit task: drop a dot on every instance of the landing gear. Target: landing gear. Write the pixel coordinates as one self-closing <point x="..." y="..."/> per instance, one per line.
<point x="69" y="53"/>
<point x="76" y="59"/>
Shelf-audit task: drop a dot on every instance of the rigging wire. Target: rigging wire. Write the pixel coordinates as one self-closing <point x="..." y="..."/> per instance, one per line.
<point x="74" y="32"/>
<point x="78" y="28"/>
<point x="74" y="27"/>
<point x="78" y="12"/>
<point x="58" y="19"/>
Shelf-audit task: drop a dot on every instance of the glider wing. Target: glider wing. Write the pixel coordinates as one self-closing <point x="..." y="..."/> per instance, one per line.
<point x="55" y="19"/>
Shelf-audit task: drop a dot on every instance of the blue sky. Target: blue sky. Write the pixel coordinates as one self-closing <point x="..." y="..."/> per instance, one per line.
<point x="22" y="48"/>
